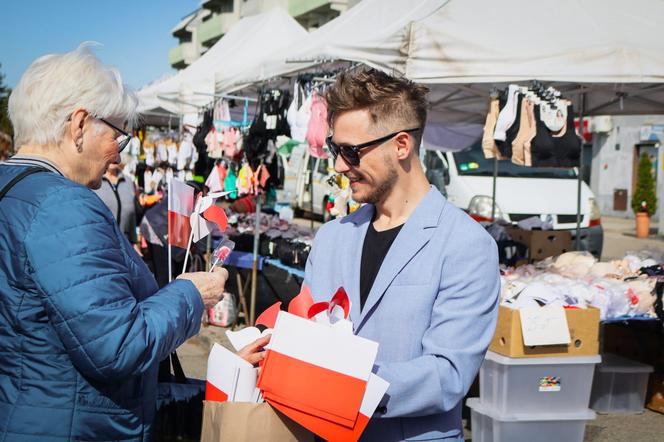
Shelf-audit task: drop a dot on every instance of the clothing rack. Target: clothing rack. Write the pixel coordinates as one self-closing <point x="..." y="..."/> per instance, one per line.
<point x="227" y="96"/>
<point x="577" y="241"/>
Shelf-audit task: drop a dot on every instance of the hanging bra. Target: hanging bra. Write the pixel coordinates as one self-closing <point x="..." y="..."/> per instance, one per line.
<point x="542" y="150"/>
<point x="505" y="147"/>
<point x="318" y="128"/>
<point x="298" y="118"/>
<point x="568" y="144"/>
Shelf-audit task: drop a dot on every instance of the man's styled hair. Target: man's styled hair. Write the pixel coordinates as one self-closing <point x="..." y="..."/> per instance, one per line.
<point x="55" y="85"/>
<point x="394" y="103"/>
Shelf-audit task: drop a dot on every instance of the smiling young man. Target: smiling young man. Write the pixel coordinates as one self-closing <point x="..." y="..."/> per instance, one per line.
<point x="421" y="274"/>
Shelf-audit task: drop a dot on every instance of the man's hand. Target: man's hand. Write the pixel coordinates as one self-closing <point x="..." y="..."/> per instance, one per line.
<point x="253" y="353"/>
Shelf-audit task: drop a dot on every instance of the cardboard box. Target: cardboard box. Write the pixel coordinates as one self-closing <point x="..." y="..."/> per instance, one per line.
<point x="245" y="422"/>
<point x="583" y="328"/>
<point x="542" y="243"/>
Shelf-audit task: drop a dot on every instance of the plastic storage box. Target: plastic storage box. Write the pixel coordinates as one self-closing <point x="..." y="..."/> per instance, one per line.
<point x="620" y="385"/>
<point x="487" y="425"/>
<point x="526" y="385"/>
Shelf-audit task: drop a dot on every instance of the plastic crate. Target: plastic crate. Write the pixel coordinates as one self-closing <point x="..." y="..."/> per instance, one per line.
<point x="521" y="385"/>
<point x="620" y="385"/>
<point x="487" y="425"/>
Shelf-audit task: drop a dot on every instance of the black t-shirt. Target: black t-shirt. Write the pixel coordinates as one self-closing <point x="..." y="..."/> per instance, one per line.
<point x="376" y="245"/>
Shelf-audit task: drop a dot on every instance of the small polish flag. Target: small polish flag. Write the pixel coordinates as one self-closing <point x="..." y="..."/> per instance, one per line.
<point x="206" y="215"/>
<point x="180" y="207"/>
<point x="215" y="181"/>
<point x="317" y="370"/>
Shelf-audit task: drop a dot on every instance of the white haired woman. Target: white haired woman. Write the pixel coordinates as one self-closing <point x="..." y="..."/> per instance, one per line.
<point x="83" y="325"/>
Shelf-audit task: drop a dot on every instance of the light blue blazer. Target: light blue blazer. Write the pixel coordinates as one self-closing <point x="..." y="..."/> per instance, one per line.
<point x="432" y="309"/>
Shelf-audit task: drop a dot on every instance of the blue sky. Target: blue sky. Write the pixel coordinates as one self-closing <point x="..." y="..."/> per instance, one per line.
<point x="135" y="34"/>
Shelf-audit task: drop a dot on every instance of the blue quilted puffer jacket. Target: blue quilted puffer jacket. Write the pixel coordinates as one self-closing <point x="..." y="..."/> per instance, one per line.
<point x="83" y="325"/>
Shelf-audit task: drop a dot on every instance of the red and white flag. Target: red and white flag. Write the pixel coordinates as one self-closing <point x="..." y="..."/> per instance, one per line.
<point x="206" y="216"/>
<point x="317" y="370"/>
<point x="180" y="207"/>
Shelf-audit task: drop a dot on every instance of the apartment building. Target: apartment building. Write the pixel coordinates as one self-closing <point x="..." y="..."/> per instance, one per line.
<point x="202" y="28"/>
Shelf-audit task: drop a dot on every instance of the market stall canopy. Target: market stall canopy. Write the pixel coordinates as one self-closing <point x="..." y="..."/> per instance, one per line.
<point x="612" y="51"/>
<point x="253" y="37"/>
<point x="374" y="32"/>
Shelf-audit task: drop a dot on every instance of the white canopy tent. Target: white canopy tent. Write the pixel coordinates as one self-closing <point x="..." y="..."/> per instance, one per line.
<point x="376" y="27"/>
<point x="252" y="38"/>
<point x="609" y="50"/>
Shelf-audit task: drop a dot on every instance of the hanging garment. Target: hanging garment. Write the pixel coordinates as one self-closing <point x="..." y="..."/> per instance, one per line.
<point x="567" y="143"/>
<point x="229" y="143"/>
<point x="527" y="131"/>
<point x="202" y="166"/>
<point x="215" y="181"/>
<point x="172" y="150"/>
<point x="214" y="149"/>
<point x="162" y="152"/>
<point x="230" y="183"/>
<point x="186" y="152"/>
<point x="246" y="180"/>
<point x="283" y="127"/>
<point x="505" y="147"/>
<point x="149" y="155"/>
<point x="507" y="114"/>
<point x="318" y="128"/>
<point x="488" y="143"/>
<point x="542" y="148"/>
<point x="301" y="120"/>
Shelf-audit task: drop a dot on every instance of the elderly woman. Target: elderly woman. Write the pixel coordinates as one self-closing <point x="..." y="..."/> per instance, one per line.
<point x="83" y="325"/>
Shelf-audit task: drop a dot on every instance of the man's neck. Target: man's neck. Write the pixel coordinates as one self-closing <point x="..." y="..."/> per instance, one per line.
<point x="406" y="195"/>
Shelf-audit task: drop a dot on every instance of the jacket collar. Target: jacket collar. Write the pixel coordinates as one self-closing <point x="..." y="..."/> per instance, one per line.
<point x="414" y="235"/>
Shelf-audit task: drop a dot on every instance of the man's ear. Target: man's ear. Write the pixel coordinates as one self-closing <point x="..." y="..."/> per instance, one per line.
<point x="405" y="145"/>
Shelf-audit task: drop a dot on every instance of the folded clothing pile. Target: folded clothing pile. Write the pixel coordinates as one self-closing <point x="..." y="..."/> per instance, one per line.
<point x="619" y="288"/>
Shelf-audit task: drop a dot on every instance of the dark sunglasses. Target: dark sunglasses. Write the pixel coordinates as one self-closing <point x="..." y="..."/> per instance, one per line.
<point x="351" y="154"/>
<point x="122" y="139"/>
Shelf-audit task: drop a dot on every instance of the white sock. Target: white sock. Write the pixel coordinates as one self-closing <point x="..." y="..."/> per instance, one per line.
<point x="507" y="115"/>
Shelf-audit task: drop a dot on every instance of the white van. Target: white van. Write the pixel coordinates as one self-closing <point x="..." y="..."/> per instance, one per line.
<point x="466" y="178"/>
<point x="302" y="175"/>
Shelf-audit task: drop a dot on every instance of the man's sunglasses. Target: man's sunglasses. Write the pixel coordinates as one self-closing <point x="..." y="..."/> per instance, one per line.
<point x="351" y="154"/>
<point x="122" y="139"/>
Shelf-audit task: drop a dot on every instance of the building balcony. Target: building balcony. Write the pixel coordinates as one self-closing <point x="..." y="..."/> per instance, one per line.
<point x="182" y="55"/>
<point x="296" y="8"/>
<point x="212" y="29"/>
<point x="314" y="13"/>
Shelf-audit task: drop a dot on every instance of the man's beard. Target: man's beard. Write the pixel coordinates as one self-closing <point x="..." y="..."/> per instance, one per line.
<point x="380" y="192"/>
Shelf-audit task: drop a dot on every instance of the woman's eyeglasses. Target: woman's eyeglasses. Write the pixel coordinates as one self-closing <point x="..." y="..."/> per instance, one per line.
<point x="351" y="154"/>
<point x="122" y="139"/>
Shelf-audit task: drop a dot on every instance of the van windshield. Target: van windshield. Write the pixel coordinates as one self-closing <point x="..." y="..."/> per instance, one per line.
<point x="471" y="162"/>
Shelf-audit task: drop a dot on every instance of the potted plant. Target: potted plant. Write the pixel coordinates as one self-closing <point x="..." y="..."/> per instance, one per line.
<point x="644" y="200"/>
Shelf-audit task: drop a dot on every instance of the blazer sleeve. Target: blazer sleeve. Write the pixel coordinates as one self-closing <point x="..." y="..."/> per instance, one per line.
<point x="74" y="256"/>
<point x="462" y="325"/>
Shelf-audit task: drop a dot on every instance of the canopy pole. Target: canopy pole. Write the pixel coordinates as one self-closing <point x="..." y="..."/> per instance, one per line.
<point x="577" y="242"/>
<point x="254" y="267"/>
<point x="495" y="178"/>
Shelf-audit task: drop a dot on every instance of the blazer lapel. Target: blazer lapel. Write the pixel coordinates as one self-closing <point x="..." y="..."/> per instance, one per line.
<point x="414" y="235"/>
<point x="351" y="258"/>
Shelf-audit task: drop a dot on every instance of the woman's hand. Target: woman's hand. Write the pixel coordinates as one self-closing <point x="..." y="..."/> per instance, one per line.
<point x="253" y="353"/>
<point x="209" y="284"/>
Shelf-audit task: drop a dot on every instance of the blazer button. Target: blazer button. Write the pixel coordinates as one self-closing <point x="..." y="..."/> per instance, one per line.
<point x="382" y="410"/>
